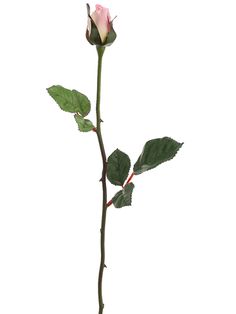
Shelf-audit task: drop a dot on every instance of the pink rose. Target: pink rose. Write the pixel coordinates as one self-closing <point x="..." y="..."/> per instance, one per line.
<point x="102" y="20"/>
<point x="100" y="30"/>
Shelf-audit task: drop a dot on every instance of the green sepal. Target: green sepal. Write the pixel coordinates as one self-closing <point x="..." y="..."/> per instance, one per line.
<point x="84" y="125"/>
<point x="118" y="167"/>
<point x="94" y="37"/>
<point x="155" y="152"/>
<point x="111" y="37"/>
<point x="70" y="100"/>
<point x="124" y="196"/>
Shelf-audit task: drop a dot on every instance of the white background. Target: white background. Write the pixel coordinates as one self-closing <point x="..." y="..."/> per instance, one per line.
<point x="171" y="72"/>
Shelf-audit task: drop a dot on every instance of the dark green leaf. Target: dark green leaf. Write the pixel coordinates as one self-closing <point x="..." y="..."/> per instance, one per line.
<point x="156" y="152"/>
<point x="70" y="100"/>
<point x="84" y="125"/>
<point x="123" y="197"/>
<point x="118" y="167"/>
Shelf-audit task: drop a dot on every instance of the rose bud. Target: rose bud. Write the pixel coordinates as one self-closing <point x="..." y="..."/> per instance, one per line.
<point x="100" y="30"/>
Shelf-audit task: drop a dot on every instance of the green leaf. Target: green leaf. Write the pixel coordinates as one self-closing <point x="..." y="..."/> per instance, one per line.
<point x="123" y="197"/>
<point x="156" y="152"/>
<point x="118" y="167"/>
<point x="84" y="125"/>
<point x="70" y="100"/>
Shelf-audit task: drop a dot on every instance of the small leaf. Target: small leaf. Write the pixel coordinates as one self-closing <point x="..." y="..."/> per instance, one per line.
<point x="70" y="100"/>
<point x="123" y="197"/>
<point x="118" y="167"/>
<point x="84" y="125"/>
<point x="155" y="152"/>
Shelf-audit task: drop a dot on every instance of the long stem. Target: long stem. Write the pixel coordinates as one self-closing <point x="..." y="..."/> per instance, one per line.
<point x="100" y="51"/>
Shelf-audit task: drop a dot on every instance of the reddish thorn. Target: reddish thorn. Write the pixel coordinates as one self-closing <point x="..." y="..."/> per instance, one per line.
<point x="94" y="129"/>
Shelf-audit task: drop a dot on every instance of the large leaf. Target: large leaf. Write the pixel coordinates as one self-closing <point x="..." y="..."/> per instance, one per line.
<point x="118" y="167"/>
<point x="84" y="125"/>
<point x="123" y="197"/>
<point x="156" y="152"/>
<point x="70" y="100"/>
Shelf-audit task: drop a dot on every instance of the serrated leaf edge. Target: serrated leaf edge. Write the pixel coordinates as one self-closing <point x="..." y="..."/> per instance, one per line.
<point x="78" y="115"/>
<point x="121" y="191"/>
<point x="117" y="182"/>
<point x="180" y="145"/>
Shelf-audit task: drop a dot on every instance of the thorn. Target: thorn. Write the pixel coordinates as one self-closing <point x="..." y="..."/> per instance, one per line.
<point x="101" y="120"/>
<point x="105" y="266"/>
<point x="100" y="180"/>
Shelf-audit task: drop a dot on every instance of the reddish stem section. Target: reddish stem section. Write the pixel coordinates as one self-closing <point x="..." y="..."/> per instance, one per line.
<point x="109" y="203"/>
<point x="130" y="178"/>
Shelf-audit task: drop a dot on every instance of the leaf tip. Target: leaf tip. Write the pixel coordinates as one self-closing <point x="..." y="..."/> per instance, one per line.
<point x="49" y="89"/>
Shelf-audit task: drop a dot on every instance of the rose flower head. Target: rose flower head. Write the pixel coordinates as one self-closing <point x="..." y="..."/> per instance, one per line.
<point x="100" y="30"/>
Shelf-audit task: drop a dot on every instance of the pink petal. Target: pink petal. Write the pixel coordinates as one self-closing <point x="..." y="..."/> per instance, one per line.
<point x="101" y="18"/>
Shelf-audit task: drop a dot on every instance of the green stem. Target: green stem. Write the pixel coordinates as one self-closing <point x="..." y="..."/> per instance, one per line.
<point x="100" y="51"/>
